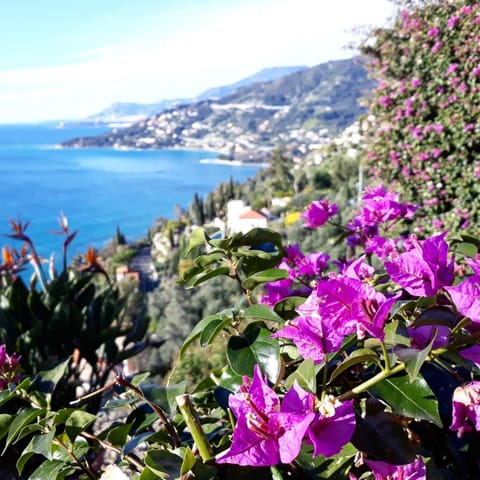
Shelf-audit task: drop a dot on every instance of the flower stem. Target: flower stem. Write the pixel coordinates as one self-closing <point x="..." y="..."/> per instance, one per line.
<point x="371" y="382"/>
<point x="196" y="430"/>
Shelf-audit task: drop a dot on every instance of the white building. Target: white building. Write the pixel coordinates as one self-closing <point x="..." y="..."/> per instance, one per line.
<point x="242" y="218"/>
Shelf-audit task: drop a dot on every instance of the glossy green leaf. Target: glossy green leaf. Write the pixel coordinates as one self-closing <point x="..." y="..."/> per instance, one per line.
<point x="46" y="381"/>
<point x="188" y="462"/>
<point x="413" y="358"/>
<point x="410" y="399"/>
<point x="258" y="236"/>
<point x="77" y="422"/>
<point x="230" y="380"/>
<point x="5" y="421"/>
<point x="26" y="455"/>
<point x="21" y="420"/>
<point x="201" y="326"/>
<point x="396" y="334"/>
<point x="254" y="347"/>
<point x="53" y="470"/>
<point x="207" y="275"/>
<point x="164" y="463"/>
<point x="286" y="308"/>
<point x="162" y="396"/>
<point x="212" y="330"/>
<point x="197" y="239"/>
<point x="362" y="355"/>
<point x="204" y="261"/>
<point x="262" y="312"/>
<point x="148" y="474"/>
<point x="118" y="435"/>
<point x="437" y="315"/>
<point x="270" y="275"/>
<point x="305" y="375"/>
<point x="379" y="434"/>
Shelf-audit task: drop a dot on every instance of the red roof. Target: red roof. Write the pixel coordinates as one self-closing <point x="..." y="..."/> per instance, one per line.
<point x="252" y="215"/>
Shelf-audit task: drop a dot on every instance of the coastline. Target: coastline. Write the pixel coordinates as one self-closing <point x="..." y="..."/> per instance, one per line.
<point x="234" y="163"/>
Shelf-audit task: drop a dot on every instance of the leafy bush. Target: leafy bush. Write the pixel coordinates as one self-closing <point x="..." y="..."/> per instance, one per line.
<point x="425" y="135"/>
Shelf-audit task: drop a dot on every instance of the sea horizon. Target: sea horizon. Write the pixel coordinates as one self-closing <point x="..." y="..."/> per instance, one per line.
<point x="98" y="189"/>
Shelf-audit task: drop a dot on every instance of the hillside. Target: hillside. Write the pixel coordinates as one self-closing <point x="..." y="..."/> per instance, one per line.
<point x="299" y="110"/>
<point x="130" y="112"/>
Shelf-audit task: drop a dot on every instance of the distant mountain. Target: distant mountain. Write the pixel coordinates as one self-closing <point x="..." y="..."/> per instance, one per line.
<point x="265" y="75"/>
<point x="299" y="111"/>
<point x="125" y="112"/>
<point x="128" y="113"/>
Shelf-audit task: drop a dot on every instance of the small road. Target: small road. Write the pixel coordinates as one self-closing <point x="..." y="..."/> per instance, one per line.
<point x="143" y="264"/>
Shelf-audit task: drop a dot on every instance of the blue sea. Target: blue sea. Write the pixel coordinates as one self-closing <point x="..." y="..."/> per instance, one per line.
<point x="97" y="189"/>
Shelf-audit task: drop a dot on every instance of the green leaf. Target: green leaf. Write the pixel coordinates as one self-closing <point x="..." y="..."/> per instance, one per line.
<point x="77" y="422"/>
<point x="162" y="396"/>
<point x="437" y="315"/>
<point x="118" y="435"/>
<point x="5" y="421"/>
<point x="203" y="261"/>
<point x="465" y="248"/>
<point x="212" y="330"/>
<point x="270" y="275"/>
<point x="164" y="463"/>
<point x="396" y="334"/>
<point x="381" y="435"/>
<point x="197" y="238"/>
<point x="286" y="308"/>
<point x="305" y="375"/>
<point x="257" y="236"/>
<point x="22" y="419"/>
<point x="254" y="347"/>
<point x="189" y="461"/>
<point x="148" y="474"/>
<point x="207" y="275"/>
<point x="46" y="381"/>
<point x="262" y="312"/>
<point x="357" y="356"/>
<point x="410" y="399"/>
<point x="413" y="358"/>
<point x="53" y="470"/>
<point x="42" y="444"/>
<point x="201" y="326"/>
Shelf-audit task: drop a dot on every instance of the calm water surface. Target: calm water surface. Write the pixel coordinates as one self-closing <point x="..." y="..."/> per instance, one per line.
<point x="97" y="189"/>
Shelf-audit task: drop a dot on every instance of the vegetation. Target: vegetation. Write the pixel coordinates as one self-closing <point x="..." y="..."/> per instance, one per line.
<point x="335" y="345"/>
<point x="425" y="135"/>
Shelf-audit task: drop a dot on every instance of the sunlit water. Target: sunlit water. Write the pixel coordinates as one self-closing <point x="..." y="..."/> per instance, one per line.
<point x="98" y="189"/>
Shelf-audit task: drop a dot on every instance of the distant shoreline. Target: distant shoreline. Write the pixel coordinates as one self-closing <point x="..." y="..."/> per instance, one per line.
<point x="233" y="163"/>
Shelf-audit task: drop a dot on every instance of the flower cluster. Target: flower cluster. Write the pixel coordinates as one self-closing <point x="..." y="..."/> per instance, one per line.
<point x="268" y="431"/>
<point x="9" y="365"/>
<point x="425" y="131"/>
<point x="371" y="227"/>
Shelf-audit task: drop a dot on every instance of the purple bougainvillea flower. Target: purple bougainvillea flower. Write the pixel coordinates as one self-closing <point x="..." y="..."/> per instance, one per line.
<point x="471" y="353"/>
<point x="299" y="265"/>
<point x="466" y="408"/>
<point x="410" y="471"/>
<point x="312" y="337"/>
<point x="276" y="291"/>
<point x="318" y="213"/>
<point x="422" y="336"/>
<point x="424" y="269"/>
<point x="359" y="269"/>
<point x="466" y="297"/>
<point x="348" y="305"/>
<point x="9" y="365"/>
<point x="265" y="434"/>
<point x="333" y="424"/>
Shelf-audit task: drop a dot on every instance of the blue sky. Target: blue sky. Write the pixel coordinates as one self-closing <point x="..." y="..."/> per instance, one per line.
<point x="62" y="59"/>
